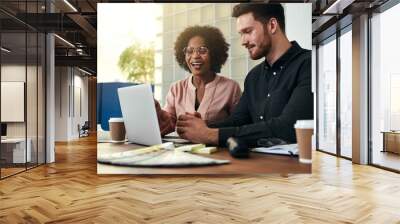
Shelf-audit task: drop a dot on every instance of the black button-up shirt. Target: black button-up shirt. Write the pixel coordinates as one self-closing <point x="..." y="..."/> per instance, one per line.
<point x="274" y="98"/>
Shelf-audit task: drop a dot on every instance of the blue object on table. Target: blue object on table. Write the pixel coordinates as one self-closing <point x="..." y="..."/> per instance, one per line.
<point x="108" y="102"/>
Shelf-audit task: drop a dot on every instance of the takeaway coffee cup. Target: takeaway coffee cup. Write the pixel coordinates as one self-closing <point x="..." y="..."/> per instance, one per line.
<point x="304" y="131"/>
<point x="117" y="129"/>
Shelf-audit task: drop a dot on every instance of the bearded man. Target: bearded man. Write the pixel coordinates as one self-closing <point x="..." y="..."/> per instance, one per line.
<point x="277" y="92"/>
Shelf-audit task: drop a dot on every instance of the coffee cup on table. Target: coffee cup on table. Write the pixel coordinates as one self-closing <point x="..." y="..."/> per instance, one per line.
<point x="304" y="132"/>
<point x="117" y="129"/>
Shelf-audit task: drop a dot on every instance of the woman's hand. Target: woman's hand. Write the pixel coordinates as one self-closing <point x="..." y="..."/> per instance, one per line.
<point x="165" y="121"/>
<point x="190" y="126"/>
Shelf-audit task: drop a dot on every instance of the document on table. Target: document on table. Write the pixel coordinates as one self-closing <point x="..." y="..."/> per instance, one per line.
<point x="290" y="149"/>
<point x="158" y="158"/>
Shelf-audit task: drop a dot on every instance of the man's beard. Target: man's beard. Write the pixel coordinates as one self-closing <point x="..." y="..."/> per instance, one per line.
<point x="264" y="50"/>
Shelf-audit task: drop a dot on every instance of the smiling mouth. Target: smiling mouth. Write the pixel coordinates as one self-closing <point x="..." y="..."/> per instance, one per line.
<point x="196" y="65"/>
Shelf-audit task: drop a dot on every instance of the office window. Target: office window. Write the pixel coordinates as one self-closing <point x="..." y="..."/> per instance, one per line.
<point x="327" y="96"/>
<point x="346" y="94"/>
<point x="385" y="88"/>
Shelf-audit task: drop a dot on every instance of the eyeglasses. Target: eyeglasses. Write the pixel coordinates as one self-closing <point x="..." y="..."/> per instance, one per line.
<point x="191" y="50"/>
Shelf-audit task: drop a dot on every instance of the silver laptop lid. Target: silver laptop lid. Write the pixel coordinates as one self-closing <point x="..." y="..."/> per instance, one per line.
<point x="139" y="113"/>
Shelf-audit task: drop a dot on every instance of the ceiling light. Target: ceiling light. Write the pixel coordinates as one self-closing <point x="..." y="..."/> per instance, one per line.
<point x="70" y="5"/>
<point x="84" y="71"/>
<point x="64" y="40"/>
<point x="5" y="50"/>
<point x="338" y="6"/>
<point x="80" y="51"/>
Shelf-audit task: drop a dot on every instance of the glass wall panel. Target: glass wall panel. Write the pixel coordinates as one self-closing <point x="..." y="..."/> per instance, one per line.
<point x="385" y="89"/>
<point x="41" y="78"/>
<point x="327" y="96"/>
<point x="22" y="91"/>
<point x="31" y="97"/>
<point x="346" y="94"/>
<point x="13" y="87"/>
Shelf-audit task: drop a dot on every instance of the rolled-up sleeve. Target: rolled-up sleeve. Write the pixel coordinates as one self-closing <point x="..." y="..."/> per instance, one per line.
<point x="169" y="106"/>
<point x="170" y="101"/>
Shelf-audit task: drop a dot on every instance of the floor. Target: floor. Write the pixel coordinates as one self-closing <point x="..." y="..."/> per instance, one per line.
<point x="10" y="170"/>
<point x="70" y="191"/>
<point x="387" y="159"/>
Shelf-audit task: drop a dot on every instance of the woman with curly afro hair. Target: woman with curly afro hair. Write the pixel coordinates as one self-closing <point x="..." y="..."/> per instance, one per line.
<point x="201" y="51"/>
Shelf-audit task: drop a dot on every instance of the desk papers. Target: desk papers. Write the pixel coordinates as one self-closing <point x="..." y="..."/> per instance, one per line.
<point x="290" y="149"/>
<point x="159" y="158"/>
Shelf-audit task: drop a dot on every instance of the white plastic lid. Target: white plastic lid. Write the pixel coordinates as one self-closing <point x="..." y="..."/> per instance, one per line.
<point x="116" y="119"/>
<point x="309" y="124"/>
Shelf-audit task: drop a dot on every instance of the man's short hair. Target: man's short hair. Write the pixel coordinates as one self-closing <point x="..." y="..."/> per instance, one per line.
<point x="262" y="12"/>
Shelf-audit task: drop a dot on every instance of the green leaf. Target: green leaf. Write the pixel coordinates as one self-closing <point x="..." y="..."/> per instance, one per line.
<point x="137" y="63"/>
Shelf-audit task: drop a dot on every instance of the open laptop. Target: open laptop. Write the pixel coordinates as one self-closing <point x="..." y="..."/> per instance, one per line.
<point x="140" y="117"/>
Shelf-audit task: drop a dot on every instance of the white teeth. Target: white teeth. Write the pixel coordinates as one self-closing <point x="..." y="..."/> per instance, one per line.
<point x="196" y="65"/>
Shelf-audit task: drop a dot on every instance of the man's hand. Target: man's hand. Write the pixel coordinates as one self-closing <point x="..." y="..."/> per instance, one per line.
<point x="167" y="124"/>
<point x="194" y="129"/>
<point x="196" y="114"/>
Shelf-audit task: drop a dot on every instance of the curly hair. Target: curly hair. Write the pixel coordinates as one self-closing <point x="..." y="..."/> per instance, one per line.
<point x="214" y="41"/>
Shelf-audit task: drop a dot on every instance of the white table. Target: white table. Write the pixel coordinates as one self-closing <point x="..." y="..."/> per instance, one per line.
<point x="18" y="150"/>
